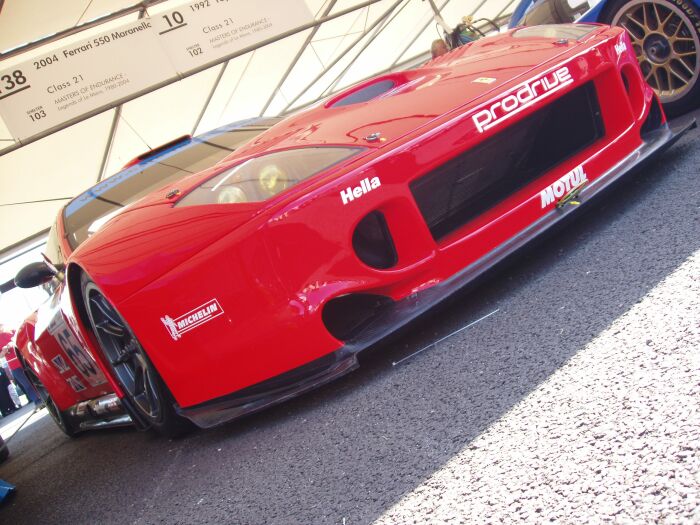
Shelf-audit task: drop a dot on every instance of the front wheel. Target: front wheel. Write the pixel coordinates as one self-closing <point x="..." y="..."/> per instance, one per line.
<point x="666" y="40"/>
<point x="130" y="364"/>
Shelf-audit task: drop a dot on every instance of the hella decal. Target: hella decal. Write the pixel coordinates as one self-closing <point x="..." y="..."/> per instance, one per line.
<point x="523" y="96"/>
<point x="192" y="319"/>
<point x="366" y="185"/>
<point x="574" y="180"/>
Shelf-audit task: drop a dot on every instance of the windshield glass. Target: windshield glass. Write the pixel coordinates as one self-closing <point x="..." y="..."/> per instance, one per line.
<point x="555" y="12"/>
<point x="52" y="250"/>
<point x="89" y="211"/>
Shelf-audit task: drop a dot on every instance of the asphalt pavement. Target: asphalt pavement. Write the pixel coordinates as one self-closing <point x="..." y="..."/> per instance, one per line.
<point x="578" y="400"/>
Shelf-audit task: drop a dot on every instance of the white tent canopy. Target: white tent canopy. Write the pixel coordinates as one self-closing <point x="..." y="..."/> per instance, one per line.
<point x="37" y="179"/>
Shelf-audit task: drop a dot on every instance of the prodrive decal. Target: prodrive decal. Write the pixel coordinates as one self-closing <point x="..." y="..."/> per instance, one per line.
<point x="523" y="96"/>
<point x="192" y="319"/>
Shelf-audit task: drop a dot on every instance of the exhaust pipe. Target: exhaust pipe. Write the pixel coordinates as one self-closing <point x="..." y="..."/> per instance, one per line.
<point x="101" y="407"/>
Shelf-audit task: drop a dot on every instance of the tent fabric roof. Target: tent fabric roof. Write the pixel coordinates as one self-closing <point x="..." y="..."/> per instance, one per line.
<point x="37" y="179"/>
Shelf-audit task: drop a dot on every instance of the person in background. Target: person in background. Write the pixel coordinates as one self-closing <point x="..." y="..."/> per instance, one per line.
<point x="438" y="48"/>
<point x="7" y="407"/>
<point x="16" y="371"/>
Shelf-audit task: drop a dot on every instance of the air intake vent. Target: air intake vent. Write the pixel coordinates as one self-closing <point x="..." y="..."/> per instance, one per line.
<point x="345" y="317"/>
<point x="372" y="242"/>
<point x="475" y="181"/>
<point x="654" y="119"/>
<point x="364" y="94"/>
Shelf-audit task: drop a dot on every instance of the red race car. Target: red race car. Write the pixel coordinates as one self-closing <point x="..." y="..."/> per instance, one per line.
<point x="223" y="274"/>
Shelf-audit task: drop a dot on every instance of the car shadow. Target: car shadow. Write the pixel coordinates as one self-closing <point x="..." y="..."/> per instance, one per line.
<point x="352" y="449"/>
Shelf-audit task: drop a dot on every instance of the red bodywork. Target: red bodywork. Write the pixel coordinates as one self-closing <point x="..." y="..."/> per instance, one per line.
<point x="271" y="267"/>
<point x="52" y="346"/>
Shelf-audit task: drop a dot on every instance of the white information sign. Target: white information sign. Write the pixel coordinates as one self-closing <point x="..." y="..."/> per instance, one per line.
<point x="202" y="31"/>
<point x="50" y="89"/>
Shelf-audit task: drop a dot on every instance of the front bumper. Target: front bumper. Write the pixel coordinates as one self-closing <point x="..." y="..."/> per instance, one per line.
<point x="400" y="313"/>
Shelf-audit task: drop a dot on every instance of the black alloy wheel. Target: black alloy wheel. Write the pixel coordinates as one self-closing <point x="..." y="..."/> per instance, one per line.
<point x="130" y="364"/>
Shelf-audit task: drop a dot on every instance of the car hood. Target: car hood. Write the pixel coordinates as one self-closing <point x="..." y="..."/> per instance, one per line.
<point x="418" y="96"/>
<point x="154" y="235"/>
<point x="463" y="77"/>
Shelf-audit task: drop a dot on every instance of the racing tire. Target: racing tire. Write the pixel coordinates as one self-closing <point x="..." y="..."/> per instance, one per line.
<point x="130" y="365"/>
<point x="4" y="451"/>
<point x="61" y="421"/>
<point x="665" y="35"/>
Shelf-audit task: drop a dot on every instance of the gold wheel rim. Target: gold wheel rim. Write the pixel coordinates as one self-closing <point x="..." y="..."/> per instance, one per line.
<point x="666" y="45"/>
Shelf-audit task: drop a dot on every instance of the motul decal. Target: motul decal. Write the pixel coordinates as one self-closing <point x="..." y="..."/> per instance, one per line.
<point x="192" y="319"/>
<point x="575" y="178"/>
<point x="524" y="96"/>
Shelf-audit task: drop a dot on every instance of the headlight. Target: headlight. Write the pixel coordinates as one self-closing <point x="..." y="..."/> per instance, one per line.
<point x="231" y="195"/>
<point x="263" y="177"/>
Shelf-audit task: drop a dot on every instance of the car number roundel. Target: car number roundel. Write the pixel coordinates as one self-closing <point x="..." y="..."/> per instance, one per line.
<point x="70" y="345"/>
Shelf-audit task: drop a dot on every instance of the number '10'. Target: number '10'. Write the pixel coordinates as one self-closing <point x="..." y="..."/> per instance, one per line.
<point x="176" y="17"/>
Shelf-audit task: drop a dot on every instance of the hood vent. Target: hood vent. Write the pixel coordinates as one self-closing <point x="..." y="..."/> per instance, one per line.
<point x="363" y="93"/>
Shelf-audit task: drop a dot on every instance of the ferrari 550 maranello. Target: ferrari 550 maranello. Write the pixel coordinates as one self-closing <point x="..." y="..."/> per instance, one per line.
<point x="222" y="274"/>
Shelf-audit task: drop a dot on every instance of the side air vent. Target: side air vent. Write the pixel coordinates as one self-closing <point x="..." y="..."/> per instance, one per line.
<point x="654" y="118"/>
<point x="633" y="87"/>
<point x="346" y="316"/>
<point x="364" y="94"/>
<point x="478" y="179"/>
<point x="372" y="242"/>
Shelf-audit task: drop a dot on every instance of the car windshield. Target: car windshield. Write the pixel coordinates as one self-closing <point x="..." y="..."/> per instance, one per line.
<point x="52" y="250"/>
<point x="86" y="213"/>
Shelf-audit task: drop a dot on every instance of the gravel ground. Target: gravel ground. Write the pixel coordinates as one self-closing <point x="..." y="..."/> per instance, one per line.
<point x="612" y="436"/>
<point x="577" y="401"/>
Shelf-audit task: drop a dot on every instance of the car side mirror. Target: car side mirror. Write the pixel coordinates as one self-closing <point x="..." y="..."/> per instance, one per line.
<point x="36" y="274"/>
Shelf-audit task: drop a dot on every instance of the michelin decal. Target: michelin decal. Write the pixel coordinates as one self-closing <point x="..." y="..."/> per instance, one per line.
<point x="192" y="319"/>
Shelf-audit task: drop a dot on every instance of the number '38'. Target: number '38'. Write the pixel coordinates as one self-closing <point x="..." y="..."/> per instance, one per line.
<point x="11" y="81"/>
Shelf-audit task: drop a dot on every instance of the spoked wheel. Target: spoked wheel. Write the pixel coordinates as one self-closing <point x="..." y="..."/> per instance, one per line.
<point x="131" y="366"/>
<point x="666" y="40"/>
<point x="53" y="410"/>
